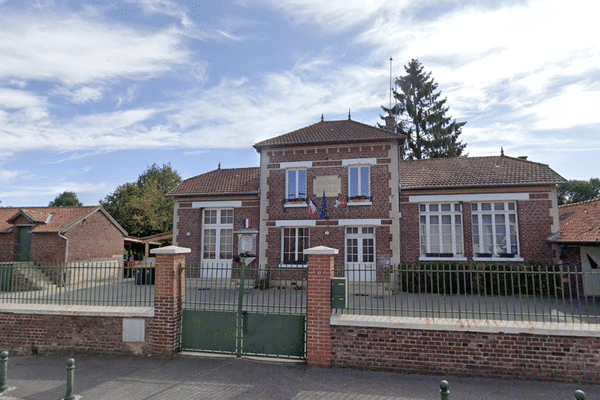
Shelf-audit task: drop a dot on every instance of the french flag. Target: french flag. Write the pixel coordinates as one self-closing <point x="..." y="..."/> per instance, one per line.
<point x="312" y="208"/>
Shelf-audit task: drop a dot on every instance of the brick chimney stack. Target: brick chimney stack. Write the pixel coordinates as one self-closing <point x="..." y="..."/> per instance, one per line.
<point x="390" y="123"/>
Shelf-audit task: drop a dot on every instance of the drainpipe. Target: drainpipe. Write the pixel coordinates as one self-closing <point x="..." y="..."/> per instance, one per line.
<point x="67" y="247"/>
<point x="63" y="277"/>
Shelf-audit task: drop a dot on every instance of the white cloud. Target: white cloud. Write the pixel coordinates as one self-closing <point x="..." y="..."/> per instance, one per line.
<point x="334" y="15"/>
<point x="81" y="95"/>
<point x="10" y="176"/>
<point x="55" y="189"/>
<point x="78" y="51"/>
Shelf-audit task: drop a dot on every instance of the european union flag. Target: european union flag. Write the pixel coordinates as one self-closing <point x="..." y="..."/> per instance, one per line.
<point x="323" y="211"/>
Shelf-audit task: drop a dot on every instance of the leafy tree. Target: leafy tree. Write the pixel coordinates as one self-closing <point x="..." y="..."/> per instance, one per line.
<point x="422" y="116"/>
<point x="575" y="191"/>
<point x="66" y="199"/>
<point x="141" y="208"/>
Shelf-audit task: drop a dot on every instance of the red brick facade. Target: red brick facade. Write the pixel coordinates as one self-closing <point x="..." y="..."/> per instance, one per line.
<point x="332" y="161"/>
<point x="536" y="215"/>
<point x="188" y="222"/>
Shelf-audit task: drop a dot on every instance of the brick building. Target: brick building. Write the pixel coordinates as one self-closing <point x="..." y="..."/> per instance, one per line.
<point x="577" y="246"/>
<point x="59" y="235"/>
<point x="343" y="184"/>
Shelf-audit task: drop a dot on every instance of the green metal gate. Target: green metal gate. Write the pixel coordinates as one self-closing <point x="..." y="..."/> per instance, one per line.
<point x="248" y="311"/>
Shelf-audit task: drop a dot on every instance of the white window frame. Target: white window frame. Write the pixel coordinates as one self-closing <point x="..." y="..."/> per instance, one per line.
<point x="432" y="233"/>
<point x="354" y="198"/>
<point x="298" y="193"/>
<point x="506" y="209"/>
<point x="300" y="259"/>
<point x="222" y="222"/>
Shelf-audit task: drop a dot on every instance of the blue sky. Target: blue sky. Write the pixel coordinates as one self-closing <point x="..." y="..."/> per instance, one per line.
<point x="94" y="92"/>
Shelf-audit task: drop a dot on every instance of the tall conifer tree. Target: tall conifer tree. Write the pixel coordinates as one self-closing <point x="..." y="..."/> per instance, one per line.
<point x="421" y="116"/>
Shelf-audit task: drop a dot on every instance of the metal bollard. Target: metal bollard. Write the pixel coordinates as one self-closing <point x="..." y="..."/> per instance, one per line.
<point x="3" y="370"/>
<point x="444" y="390"/>
<point x="70" y="379"/>
<point x="580" y="395"/>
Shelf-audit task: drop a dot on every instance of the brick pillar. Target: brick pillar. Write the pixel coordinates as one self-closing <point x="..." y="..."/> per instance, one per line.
<point x="167" y="310"/>
<point x="318" y="337"/>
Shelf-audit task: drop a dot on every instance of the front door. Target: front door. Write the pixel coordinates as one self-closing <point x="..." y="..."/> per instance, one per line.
<point x="590" y="262"/>
<point x="217" y="243"/>
<point x="24" y="243"/>
<point x="360" y="254"/>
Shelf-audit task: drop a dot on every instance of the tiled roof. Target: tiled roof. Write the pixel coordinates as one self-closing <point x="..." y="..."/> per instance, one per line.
<point x="330" y="132"/>
<point x="580" y="222"/>
<point x="475" y="172"/>
<point x="52" y="219"/>
<point x="220" y="181"/>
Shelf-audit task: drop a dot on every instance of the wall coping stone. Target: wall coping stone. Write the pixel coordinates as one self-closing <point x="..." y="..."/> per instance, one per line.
<point x="321" y="250"/>
<point x="448" y="324"/>
<point x="171" y="250"/>
<point x="78" y="310"/>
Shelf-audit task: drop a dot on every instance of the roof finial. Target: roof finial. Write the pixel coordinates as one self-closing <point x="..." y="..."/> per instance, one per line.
<point x="219" y="165"/>
<point x="349" y="116"/>
<point x="501" y="151"/>
<point x="322" y="118"/>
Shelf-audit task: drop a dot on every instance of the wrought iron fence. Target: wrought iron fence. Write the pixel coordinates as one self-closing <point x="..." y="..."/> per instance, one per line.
<point x="514" y="292"/>
<point x="226" y="287"/>
<point x="93" y="283"/>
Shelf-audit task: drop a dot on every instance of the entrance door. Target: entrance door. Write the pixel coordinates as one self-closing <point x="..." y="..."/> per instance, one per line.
<point x="590" y="262"/>
<point x="24" y="243"/>
<point x="217" y="243"/>
<point x="360" y="254"/>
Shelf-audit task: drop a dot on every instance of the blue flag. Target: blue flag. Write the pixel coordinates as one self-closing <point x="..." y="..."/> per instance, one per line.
<point x="323" y="211"/>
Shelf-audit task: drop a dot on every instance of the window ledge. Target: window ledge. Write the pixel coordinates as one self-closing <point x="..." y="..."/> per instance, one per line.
<point x="297" y="266"/>
<point x="518" y="259"/>
<point x="360" y="203"/>
<point x="442" y="258"/>
<point x="295" y="205"/>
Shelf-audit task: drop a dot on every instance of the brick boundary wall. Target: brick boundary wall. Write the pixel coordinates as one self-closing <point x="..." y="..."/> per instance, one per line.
<point x="30" y="329"/>
<point x="566" y="358"/>
<point x="52" y="333"/>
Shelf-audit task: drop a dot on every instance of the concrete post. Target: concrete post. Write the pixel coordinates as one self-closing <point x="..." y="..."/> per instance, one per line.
<point x="318" y="337"/>
<point x="168" y="287"/>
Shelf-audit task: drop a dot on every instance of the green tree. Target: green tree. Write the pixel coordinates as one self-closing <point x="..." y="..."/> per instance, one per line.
<point x="141" y="208"/>
<point x="575" y="191"/>
<point x="66" y="199"/>
<point x="421" y="116"/>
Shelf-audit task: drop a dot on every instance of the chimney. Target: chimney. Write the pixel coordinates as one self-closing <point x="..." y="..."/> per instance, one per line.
<point x="390" y="123"/>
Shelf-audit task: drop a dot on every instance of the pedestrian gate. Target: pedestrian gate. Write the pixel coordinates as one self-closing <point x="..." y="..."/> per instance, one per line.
<point x="250" y="311"/>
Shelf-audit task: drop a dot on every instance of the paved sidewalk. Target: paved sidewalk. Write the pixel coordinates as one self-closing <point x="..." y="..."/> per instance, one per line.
<point x="196" y="377"/>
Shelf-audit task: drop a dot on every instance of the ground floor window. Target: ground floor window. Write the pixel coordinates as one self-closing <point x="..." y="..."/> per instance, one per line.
<point x="441" y="230"/>
<point x="217" y="234"/>
<point x="495" y="229"/>
<point x="294" y="242"/>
